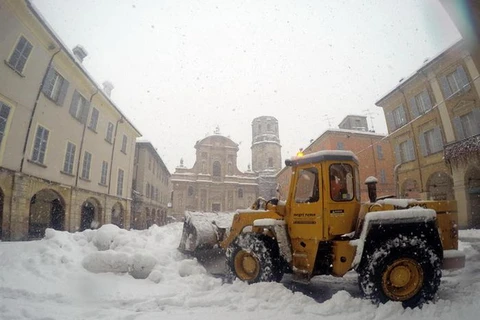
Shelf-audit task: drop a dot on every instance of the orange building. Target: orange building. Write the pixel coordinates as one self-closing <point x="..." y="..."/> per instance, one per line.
<point x="372" y="149"/>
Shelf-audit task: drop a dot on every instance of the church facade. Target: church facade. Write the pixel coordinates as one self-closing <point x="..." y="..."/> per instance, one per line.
<point x="215" y="184"/>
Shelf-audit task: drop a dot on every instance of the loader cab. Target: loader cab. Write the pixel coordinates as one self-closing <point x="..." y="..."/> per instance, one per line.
<point x="324" y="195"/>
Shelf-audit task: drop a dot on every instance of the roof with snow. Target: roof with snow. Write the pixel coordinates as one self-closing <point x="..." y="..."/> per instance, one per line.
<point x="69" y="52"/>
<point x="324" y="155"/>
<point x="404" y="81"/>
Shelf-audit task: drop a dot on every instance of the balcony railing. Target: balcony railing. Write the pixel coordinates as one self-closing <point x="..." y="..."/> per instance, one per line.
<point x="463" y="150"/>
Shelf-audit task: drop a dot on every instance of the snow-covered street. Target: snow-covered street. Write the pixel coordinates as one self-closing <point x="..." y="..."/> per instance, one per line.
<point x="63" y="276"/>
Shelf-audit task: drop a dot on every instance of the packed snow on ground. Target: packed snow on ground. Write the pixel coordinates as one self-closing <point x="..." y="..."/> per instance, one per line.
<point x="111" y="273"/>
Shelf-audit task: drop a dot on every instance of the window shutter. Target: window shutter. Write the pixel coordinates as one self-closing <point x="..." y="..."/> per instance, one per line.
<point x="423" y="145"/>
<point x="457" y="124"/>
<point x="63" y="92"/>
<point x="428" y="101"/>
<point x="463" y="79"/>
<point x="437" y="140"/>
<point x="85" y="110"/>
<point x="390" y="122"/>
<point x="447" y="92"/>
<point x="74" y="104"/>
<point x="403" y="116"/>
<point x="48" y="79"/>
<point x="414" y="107"/>
<point x="411" y="150"/>
<point x="398" y="156"/>
<point x="476" y="117"/>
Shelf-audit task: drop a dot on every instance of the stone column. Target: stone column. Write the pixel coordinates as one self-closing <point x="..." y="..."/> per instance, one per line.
<point x="459" y="190"/>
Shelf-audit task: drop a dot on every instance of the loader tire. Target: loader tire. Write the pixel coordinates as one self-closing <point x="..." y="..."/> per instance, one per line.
<point x="403" y="269"/>
<point x="253" y="258"/>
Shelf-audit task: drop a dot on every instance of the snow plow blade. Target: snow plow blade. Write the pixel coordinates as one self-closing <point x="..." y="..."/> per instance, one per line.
<point x="203" y="231"/>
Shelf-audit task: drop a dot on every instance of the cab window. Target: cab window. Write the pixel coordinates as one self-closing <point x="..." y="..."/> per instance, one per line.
<point x="341" y="182"/>
<point x="307" y="189"/>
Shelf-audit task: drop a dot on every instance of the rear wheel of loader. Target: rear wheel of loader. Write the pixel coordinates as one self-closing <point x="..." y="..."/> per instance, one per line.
<point x="403" y="270"/>
<point x="253" y="258"/>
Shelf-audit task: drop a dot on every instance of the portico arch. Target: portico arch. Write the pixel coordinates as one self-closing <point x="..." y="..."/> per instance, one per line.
<point x="47" y="210"/>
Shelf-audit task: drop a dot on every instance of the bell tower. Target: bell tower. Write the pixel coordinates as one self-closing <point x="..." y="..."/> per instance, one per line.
<point x="266" y="154"/>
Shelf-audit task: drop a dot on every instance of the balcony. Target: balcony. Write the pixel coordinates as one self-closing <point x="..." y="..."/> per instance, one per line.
<point x="462" y="151"/>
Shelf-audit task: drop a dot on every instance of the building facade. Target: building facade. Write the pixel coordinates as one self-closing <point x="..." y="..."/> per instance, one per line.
<point x="433" y="119"/>
<point x="151" y="187"/>
<point x="373" y="151"/>
<point x="214" y="183"/>
<point x="66" y="150"/>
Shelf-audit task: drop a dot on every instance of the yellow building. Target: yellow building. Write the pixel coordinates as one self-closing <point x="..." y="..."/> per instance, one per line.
<point x="429" y="115"/>
<point x="151" y="187"/>
<point x="66" y="150"/>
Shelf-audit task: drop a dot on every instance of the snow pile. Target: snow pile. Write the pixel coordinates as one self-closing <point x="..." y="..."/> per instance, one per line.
<point x="48" y="279"/>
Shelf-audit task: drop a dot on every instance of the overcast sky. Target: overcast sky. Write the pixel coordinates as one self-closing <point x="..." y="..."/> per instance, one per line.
<point x="181" y="68"/>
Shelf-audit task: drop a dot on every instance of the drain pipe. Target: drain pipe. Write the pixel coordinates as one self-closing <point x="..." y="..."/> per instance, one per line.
<point x="395" y="179"/>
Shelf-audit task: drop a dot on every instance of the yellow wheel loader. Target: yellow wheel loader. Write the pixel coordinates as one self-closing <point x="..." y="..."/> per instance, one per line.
<point x="398" y="247"/>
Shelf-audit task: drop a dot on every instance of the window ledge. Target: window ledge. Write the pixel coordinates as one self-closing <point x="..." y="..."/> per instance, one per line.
<point x="51" y="99"/>
<point x="124" y="152"/>
<point x="84" y="179"/>
<point x="93" y="130"/>
<point x="102" y="184"/>
<point x="13" y="68"/>
<point x="67" y="173"/>
<point x="37" y="163"/>
<point x="110" y="142"/>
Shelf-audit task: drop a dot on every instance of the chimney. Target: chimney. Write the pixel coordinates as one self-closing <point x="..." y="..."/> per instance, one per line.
<point x="80" y="52"/>
<point x="107" y="88"/>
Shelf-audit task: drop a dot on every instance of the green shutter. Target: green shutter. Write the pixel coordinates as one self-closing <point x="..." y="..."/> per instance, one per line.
<point x="63" y="92"/>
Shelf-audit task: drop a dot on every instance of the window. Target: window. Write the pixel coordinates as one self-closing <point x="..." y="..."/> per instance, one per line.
<point x="455" y="82"/>
<point x="217" y="169"/>
<point x="270" y="162"/>
<point x="399" y="117"/>
<point x="468" y="124"/>
<point x="55" y="86"/>
<point x="383" y="176"/>
<point x="120" y="183"/>
<point x="87" y="160"/>
<point x="340" y="146"/>
<point x="431" y="141"/>
<point x="103" y="177"/>
<point x="269" y="127"/>
<point x="93" y="119"/>
<point x="149" y="162"/>
<point x="240" y="193"/>
<point x="420" y="103"/>
<point x="40" y="145"/>
<point x="307" y="189"/>
<point x="147" y="190"/>
<point x="109" y="136"/>
<point x="4" y="113"/>
<point x="19" y="57"/>
<point x="341" y="182"/>
<point x="404" y="152"/>
<point x="124" y="147"/>
<point x="69" y="158"/>
<point x="379" y="152"/>
<point x="79" y="107"/>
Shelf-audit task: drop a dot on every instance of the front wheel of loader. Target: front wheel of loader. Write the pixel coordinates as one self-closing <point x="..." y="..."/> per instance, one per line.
<point x="253" y="258"/>
<point x="405" y="270"/>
